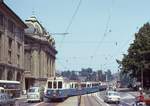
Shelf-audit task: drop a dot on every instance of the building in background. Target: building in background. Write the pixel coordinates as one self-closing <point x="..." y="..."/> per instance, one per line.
<point x="39" y="54"/>
<point x="11" y="44"/>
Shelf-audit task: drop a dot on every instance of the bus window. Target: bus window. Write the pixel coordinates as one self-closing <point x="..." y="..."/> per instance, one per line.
<point x="2" y="90"/>
<point x="54" y="84"/>
<point x="49" y="84"/>
<point x="59" y="84"/>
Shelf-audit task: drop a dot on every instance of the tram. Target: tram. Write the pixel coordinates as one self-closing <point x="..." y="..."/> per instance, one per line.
<point x="59" y="88"/>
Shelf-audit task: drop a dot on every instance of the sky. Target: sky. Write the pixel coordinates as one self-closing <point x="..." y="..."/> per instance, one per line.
<point x="99" y="31"/>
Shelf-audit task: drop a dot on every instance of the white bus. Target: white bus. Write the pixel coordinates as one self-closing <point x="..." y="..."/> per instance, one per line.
<point x="13" y="88"/>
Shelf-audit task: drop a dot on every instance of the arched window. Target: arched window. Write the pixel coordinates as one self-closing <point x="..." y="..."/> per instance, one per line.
<point x="9" y="75"/>
<point x="18" y="76"/>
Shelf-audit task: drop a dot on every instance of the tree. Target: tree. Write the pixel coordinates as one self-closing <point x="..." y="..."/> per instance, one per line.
<point x="133" y="63"/>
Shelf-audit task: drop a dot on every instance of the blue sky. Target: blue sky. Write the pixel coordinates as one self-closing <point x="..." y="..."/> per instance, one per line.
<point x="86" y="45"/>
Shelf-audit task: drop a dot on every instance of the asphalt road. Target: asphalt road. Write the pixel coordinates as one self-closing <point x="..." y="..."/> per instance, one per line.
<point x="127" y="99"/>
<point x="95" y="99"/>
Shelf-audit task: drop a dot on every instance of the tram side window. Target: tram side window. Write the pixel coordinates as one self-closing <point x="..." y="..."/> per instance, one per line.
<point x="54" y="84"/>
<point x="76" y="85"/>
<point x="83" y="85"/>
<point x="49" y="84"/>
<point x="88" y="85"/>
<point x="59" y="84"/>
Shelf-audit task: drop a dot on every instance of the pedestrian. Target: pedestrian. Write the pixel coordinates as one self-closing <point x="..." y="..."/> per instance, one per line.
<point x="140" y="98"/>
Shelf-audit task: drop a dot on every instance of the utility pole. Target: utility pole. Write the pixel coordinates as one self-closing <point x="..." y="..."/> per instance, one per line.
<point x="142" y="73"/>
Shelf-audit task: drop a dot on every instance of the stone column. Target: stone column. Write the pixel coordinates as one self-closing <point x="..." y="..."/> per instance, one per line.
<point x="54" y="70"/>
<point x="51" y="69"/>
<point x="13" y="52"/>
<point x="35" y="68"/>
<point x="48" y="70"/>
<point x="22" y="56"/>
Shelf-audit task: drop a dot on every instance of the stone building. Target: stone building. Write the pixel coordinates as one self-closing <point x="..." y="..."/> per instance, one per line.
<point x="39" y="54"/>
<point x="11" y="44"/>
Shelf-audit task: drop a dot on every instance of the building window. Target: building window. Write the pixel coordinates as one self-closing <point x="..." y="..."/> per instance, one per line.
<point x="10" y="26"/>
<point x="18" y="76"/>
<point x="9" y="75"/>
<point x="0" y="45"/>
<point x="10" y="43"/>
<point x="9" y="57"/>
<point x="9" y="50"/>
<point x="1" y="75"/>
<point x="1" y="19"/>
<point x="18" y="60"/>
<point x="18" y="47"/>
<point x="19" y="33"/>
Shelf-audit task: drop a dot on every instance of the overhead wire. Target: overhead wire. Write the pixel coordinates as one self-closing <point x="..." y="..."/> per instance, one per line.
<point x="71" y="21"/>
<point x="104" y="35"/>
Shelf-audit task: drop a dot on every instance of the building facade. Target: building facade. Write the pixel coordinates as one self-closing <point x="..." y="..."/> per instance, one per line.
<point x="11" y="44"/>
<point x="39" y="54"/>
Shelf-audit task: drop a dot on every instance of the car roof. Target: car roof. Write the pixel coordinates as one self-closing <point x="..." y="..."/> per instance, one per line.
<point x="111" y="91"/>
<point x="34" y="87"/>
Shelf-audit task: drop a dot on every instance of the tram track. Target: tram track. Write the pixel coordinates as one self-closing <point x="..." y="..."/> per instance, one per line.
<point x="47" y="104"/>
<point x="88" y="101"/>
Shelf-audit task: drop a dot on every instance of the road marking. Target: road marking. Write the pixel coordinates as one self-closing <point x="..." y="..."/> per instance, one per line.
<point x="127" y="103"/>
<point x="127" y="96"/>
<point x="38" y="104"/>
<point x="101" y="99"/>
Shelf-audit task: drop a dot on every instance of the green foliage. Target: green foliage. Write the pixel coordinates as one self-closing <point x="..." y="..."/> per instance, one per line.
<point x="133" y="61"/>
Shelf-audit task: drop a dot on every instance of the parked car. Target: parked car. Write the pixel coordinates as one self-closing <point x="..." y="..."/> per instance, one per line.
<point x="35" y="94"/>
<point x="6" y="100"/>
<point x="112" y="96"/>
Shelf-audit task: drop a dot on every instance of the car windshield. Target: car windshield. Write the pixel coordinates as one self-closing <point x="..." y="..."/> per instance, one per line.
<point x="113" y="93"/>
<point x="33" y="90"/>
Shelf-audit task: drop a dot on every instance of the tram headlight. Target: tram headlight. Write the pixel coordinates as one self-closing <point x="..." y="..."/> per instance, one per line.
<point x="48" y="92"/>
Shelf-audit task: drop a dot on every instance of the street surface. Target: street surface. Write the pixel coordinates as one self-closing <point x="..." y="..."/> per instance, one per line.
<point x="95" y="99"/>
<point x="72" y="101"/>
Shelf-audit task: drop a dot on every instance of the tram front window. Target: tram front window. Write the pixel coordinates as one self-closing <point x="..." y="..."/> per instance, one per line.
<point x="49" y="84"/>
<point x="54" y="84"/>
<point x="59" y="84"/>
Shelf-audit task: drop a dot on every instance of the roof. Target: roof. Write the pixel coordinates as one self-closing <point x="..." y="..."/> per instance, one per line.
<point x="8" y="81"/>
<point x="12" y="13"/>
